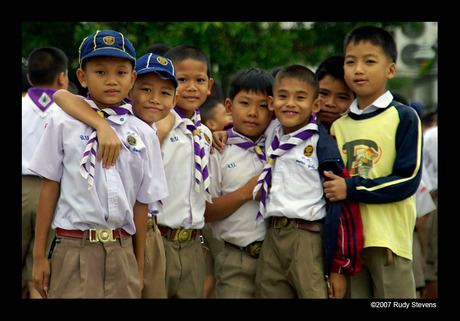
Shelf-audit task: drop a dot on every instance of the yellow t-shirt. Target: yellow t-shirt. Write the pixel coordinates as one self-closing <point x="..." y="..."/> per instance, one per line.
<point x="383" y="151"/>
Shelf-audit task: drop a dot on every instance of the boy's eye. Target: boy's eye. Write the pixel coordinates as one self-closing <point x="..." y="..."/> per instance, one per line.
<point x="181" y="79"/>
<point x="100" y="72"/>
<point x="146" y="89"/>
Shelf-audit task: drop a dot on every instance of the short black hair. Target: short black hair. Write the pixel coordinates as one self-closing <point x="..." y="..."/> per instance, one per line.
<point x="45" y="64"/>
<point x="207" y="109"/>
<point x="377" y="36"/>
<point x="255" y="79"/>
<point x="302" y="73"/>
<point x="183" y="52"/>
<point x="332" y="66"/>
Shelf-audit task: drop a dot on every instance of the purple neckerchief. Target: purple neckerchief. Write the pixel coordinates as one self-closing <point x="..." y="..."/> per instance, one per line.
<point x="202" y="178"/>
<point x="234" y="139"/>
<point x="42" y="97"/>
<point x="88" y="161"/>
<point x="278" y="150"/>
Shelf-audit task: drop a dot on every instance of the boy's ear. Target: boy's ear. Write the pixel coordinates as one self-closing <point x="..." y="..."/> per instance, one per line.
<point x="30" y="81"/>
<point x="176" y="97"/>
<point x="228" y="106"/>
<point x="210" y="83"/>
<point x="391" y="70"/>
<point x="270" y="103"/>
<point x="316" y="108"/>
<point x="133" y="80"/>
<point x="211" y="124"/>
<point x="81" y="75"/>
<point x="62" y="81"/>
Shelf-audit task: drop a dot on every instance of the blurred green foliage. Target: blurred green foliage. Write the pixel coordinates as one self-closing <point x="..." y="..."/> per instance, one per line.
<point x="230" y="45"/>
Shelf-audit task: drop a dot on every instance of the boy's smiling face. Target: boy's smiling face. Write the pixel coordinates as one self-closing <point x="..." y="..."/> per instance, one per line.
<point x="367" y="69"/>
<point x="194" y="85"/>
<point x="293" y="102"/>
<point x="108" y="79"/>
<point x="153" y="97"/>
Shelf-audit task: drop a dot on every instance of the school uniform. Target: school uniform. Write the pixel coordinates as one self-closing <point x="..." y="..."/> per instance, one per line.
<point x="37" y="108"/>
<point x="307" y="237"/>
<point x="106" y="268"/>
<point x="181" y="217"/>
<point x="236" y="264"/>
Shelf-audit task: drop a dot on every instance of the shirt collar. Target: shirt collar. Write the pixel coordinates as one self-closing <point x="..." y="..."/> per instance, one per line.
<point x="117" y="119"/>
<point x="381" y="102"/>
<point x="279" y="130"/>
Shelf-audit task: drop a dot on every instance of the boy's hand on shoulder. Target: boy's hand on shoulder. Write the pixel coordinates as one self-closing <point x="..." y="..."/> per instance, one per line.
<point x="109" y="146"/>
<point x="335" y="189"/>
<point x="219" y="138"/>
<point x="164" y="126"/>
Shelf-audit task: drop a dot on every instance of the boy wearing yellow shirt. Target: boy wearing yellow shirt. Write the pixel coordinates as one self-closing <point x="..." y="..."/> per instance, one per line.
<point x="381" y="144"/>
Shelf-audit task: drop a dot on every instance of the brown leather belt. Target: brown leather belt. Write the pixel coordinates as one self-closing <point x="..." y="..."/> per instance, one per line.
<point x="285" y="223"/>
<point x="179" y="235"/>
<point x="93" y="235"/>
<point x="252" y="249"/>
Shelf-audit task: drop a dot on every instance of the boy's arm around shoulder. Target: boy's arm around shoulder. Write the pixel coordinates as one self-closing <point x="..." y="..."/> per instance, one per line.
<point x="406" y="174"/>
<point x="75" y="106"/>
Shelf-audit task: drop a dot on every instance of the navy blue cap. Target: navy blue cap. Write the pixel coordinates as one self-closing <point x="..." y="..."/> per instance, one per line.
<point x="162" y="66"/>
<point x="107" y="43"/>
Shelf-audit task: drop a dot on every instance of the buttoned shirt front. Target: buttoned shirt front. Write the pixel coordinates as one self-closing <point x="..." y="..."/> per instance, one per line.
<point x="230" y="171"/>
<point x="296" y="185"/>
<point x="184" y="207"/>
<point x="137" y="175"/>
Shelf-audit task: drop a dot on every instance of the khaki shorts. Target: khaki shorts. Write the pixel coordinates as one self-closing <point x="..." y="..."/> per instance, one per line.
<point x="80" y="269"/>
<point x="291" y="265"/>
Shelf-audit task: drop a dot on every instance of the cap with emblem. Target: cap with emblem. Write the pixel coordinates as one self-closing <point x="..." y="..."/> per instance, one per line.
<point x="163" y="67"/>
<point x="107" y="43"/>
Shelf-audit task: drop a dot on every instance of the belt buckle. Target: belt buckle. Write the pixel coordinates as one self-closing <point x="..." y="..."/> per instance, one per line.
<point x="184" y="235"/>
<point x="286" y="224"/>
<point x="254" y="249"/>
<point x="104" y="235"/>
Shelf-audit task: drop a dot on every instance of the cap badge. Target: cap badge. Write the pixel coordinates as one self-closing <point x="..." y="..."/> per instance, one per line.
<point x="162" y="61"/>
<point x="109" y="40"/>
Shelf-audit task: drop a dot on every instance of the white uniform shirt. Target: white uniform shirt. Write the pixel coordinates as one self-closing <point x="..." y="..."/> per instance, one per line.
<point x="137" y="175"/>
<point x="184" y="207"/>
<point x="230" y="171"/>
<point x="297" y="188"/>
<point x="430" y="155"/>
<point x="34" y="121"/>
